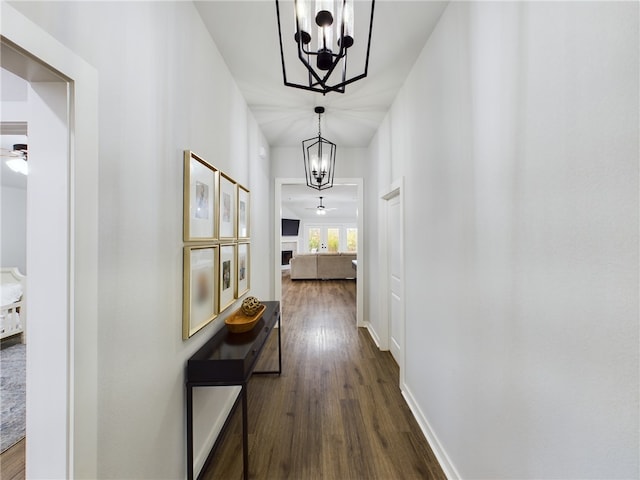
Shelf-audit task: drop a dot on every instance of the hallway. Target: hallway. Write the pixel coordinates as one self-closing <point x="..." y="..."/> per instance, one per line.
<point x="336" y="412"/>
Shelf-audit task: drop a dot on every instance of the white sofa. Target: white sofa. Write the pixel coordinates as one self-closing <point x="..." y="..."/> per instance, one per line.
<point x="322" y="266"/>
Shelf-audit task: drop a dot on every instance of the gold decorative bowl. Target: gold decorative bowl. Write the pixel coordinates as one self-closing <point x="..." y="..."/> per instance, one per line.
<point x="240" y="322"/>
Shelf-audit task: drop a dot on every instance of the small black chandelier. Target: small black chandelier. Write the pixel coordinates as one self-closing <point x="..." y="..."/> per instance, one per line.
<point x="319" y="159"/>
<point x="334" y="38"/>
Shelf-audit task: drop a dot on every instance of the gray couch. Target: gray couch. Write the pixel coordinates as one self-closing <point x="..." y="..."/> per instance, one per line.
<point x="322" y="266"/>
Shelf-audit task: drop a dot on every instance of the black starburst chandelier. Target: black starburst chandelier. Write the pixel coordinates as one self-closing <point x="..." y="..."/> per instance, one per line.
<point x="323" y="33"/>
<point x="319" y="159"/>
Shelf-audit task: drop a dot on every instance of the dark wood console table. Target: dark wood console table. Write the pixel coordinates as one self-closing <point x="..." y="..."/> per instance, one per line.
<point x="229" y="359"/>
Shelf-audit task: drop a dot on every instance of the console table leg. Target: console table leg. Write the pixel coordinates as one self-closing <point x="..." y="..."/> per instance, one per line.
<point x="189" y="432"/>
<point x="279" y="346"/>
<point x="245" y="434"/>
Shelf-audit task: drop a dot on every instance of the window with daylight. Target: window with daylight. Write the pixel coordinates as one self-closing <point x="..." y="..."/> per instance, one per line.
<point x="313" y="236"/>
<point x="352" y="239"/>
<point x="333" y="240"/>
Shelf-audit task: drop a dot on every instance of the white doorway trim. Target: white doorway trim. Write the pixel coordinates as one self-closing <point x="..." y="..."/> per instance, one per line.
<point x="395" y="190"/>
<point x="75" y="376"/>
<point x="277" y="268"/>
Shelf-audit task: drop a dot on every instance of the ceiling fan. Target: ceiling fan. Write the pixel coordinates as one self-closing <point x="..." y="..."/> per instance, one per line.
<point x="17" y="158"/>
<point x="321" y="209"/>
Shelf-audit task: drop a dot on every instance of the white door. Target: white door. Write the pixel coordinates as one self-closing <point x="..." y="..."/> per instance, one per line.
<point x="394" y="269"/>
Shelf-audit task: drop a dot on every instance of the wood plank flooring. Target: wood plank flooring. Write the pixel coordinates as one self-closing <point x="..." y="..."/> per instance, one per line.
<point x="336" y="412"/>
<point x="12" y="462"/>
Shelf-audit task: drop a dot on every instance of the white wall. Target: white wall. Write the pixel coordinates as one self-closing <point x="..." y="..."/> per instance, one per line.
<point x="153" y="104"/>
<point x="517" y="136"/>
<point x="288" y="213"/>
<point x="14" y="228"/>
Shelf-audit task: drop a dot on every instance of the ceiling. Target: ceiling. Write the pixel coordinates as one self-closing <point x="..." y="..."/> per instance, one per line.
<point x="340" y="202"/>
<point x="246" y="35"/>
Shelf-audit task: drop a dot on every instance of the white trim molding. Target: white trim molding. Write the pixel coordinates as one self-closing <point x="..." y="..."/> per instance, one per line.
<point x="36" y="53"/>
<point x="436" y="447"/>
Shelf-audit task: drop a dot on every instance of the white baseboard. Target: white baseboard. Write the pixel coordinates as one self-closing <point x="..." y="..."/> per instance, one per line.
<point x="444" y="460"/>
<point x="201" y="455"/>
<point x="373" y="334"/>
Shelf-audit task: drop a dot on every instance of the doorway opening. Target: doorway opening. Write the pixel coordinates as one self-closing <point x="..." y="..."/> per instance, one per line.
<point x="301" y="245"/>
<point x="61" y="249"/>
<point x="46" y="114"/>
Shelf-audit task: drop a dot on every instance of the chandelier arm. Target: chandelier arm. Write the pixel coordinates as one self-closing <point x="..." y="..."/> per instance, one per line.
<point x="336" y="88"/>
<point x="331" y="69"/>
<point x="305" y="87"/>
<point x="336" y="58"/>
<point x="307" y="64"/>
<point x="310" y="77"/>
<point x="340" y="87"/>
<point x="301" y="49"/>
<point x="322" y="81"/>
<point x="342" y="53"/>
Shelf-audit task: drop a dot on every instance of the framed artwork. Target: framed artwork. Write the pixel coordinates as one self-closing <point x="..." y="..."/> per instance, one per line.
<point x="227" y="275"/>
<point x="227" y="209"/>
<point x="200" y="197"/>
<point x="243" y="212"/>
<point x="244" y="262"/>
<point x="200" y="305"/>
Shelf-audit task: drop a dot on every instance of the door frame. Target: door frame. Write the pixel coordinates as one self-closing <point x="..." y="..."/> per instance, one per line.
<point x="277" y="268"/>
<point x="33" y="54"/>
<point x="395" y="189"/>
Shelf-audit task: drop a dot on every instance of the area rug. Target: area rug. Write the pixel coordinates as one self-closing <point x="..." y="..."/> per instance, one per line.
<point x="13" y="384"/>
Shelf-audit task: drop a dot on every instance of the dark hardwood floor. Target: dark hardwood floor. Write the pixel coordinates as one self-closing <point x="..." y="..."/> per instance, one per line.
<point x="336" y="412"/>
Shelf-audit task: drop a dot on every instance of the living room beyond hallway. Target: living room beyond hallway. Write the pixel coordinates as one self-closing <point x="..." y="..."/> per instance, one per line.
<point x="336" y="411"/>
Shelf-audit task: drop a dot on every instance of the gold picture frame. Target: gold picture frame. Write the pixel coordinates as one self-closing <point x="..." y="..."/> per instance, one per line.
<point x="244" y="212"/>
<point x="227" y="216"/>
<point x="243" y="275"/>
<point x="200" y="199"/>
<point x="227" y="275"/>
<point x="200" y="290"/>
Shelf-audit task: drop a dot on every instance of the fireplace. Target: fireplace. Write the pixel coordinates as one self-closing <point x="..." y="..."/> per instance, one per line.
<point x="286" y="256"/>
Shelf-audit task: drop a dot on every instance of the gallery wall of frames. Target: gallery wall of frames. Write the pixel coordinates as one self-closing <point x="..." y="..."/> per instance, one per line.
<point x="216" y="243"/>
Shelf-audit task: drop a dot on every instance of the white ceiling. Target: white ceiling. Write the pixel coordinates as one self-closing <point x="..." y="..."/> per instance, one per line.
<point x="340" y="201"/>
<point x="246" y="34"/>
